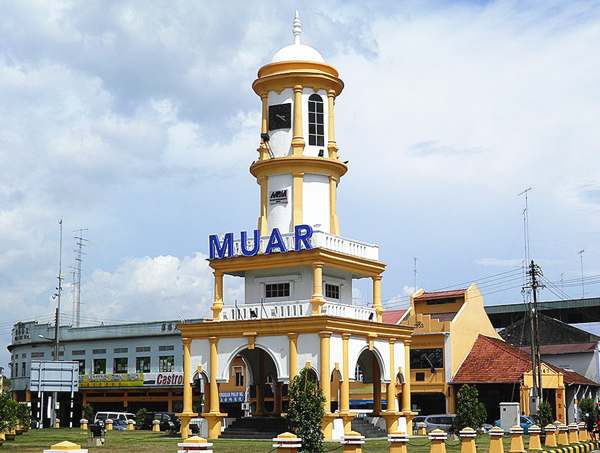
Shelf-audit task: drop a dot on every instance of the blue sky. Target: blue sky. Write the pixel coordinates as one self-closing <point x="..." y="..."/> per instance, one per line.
<point x="140" y="124"/>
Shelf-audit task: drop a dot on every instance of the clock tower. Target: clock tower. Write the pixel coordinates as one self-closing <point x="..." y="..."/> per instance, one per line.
<point x="298" y="168"/>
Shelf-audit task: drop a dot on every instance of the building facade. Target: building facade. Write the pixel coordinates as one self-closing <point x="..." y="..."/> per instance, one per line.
<point x="298" y="270"/>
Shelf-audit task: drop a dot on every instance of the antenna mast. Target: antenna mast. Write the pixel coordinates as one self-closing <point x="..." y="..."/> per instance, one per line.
<point x="80" y="241"/>
<point x="580" y="253"/>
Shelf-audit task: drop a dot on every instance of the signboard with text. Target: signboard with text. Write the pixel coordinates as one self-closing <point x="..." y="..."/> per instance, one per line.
<point x="132" y="380"/>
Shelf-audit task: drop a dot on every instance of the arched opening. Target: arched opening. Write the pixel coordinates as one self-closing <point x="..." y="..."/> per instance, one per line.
<point x="366" y="391"/>
<point x="336" y="379"/>
<point x="316" y="121"/>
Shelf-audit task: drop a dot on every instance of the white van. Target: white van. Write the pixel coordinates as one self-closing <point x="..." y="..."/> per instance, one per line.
<point x="116" y="417"/>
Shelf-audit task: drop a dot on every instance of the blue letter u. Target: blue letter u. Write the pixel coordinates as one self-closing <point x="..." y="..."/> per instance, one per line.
<point x="244" y="243"/>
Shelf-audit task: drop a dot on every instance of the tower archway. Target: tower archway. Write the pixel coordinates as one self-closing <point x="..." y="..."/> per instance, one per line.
<point x="366" y="391"/>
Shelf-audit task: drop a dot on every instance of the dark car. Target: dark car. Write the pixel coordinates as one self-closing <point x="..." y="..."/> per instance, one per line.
<point x="168" y="421"/>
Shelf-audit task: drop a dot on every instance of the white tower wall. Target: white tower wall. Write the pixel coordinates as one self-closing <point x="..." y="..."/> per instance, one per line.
<point x="315" y="201"/>
<point x="281" y="139"/>
<point x="280" y="215"/>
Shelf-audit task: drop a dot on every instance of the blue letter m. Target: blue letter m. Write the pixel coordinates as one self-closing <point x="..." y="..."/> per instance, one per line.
<point x="218" y="250"/>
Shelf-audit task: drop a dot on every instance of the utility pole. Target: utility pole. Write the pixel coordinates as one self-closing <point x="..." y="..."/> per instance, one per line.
<point x="534" y="269"/>
<point x="80" y="241"/>
<point x="57" y="296"/>
<point x="580" y="253"/>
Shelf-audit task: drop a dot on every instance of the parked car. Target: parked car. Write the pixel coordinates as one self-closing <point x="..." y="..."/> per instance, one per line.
<point x="168" y="421"/>
<point x="525" y="423"/>
<point x="114" y="416"/>
<point x="444" y="422"/>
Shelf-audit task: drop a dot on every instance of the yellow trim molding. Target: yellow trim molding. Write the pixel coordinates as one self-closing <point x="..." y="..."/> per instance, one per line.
<point x="298" y="164"/>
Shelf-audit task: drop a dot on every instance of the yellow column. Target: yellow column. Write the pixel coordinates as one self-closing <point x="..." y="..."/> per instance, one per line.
<point x="331" y="144"/>
<point x="187" y="412"/>
<point x="264" y="200"/>
<point x="345" y="413"/>
<point x="214" y="416"/>
<point x="377" y="297"/>
<point x="293" y="357"/>
<point x="217" y="307"/>
<point x="334" y="225"/>
<point x="258" y="382"/>
<point x="325" y="381"/>
<point x="406" y="404"/>
<point x="560" y="410"/>
<point x="391" y="414"/>
<point x="317" y="299"/>
<point x="264" y="128"/>
<point x="298" y="137"/>
<point x="297" y="179"/>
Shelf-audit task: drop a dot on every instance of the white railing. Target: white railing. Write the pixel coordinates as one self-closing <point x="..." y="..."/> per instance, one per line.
<point x="348" y="311"/>
<point x="319" y="239"/>
<point x="294" y="309"/>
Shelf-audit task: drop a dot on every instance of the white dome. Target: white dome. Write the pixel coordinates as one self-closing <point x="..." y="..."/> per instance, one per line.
<point x="297" y="52"/>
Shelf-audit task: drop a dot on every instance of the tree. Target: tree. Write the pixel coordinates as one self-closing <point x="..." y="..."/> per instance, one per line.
<point x="140" y="417"/>
<point x="24" y="415"/>
<point x="8" y="413"/>
<point x="306" y="411"/>
<point x="469" y="410"/>
<point x="87" y="412"/>
<point x="544" y="414"/>
<point x="587" y="406"/>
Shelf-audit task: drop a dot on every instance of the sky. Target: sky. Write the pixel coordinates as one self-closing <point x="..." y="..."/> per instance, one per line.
<point x="137" y="121"/>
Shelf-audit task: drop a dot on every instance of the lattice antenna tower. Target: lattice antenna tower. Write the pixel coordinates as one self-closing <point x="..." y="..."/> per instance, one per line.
<point x="80" y="243"/>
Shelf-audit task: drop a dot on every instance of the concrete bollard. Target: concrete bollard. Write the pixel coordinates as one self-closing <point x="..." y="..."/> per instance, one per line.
<point x="61" y="447"/>
<point x="467" y="440"/>
<point x="398" y="442"/>
<point x="156" y="426"/>
<point x="195" y="443"/>
<point x="563" y="435"/>
<point x="573" y="433"/>
<point x="550" y="431"/>
<point x="496" y="435"/>
<point x="287" y="443"/>
<point x="57" y="423"/>
<point x="583" y="434"/>
<point x="130" y="425"/>
<point x="534" y="438"/>
<point x="2" y="437"/>
<point x="352" y="442"/>
<point x="421" y="429"/>
<point x="516" y="440"/>
<point x="437" y="438"/>
<point x="108" y="424"/>
<point x="83" y="423"/>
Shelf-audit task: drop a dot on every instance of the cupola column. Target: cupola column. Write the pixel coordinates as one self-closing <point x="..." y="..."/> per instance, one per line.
<point x="264" y="209"/>
<point x="264" y="127"/>
<point x="334" y="226"/>
<point x="331" y="144"/>
<point x="293" y="355"/>
<point x="298" y="138"/>
<point x="406" y="402"/>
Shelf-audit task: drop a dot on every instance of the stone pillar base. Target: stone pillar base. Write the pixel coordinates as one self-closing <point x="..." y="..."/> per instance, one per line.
<point x="409" y="421"/>
<point x="214" y="421"/>
<point x="185" y="418"/>
<point x="391" y="421"/>
<point x="327" y="425"/>
<point x="347" y="419"/>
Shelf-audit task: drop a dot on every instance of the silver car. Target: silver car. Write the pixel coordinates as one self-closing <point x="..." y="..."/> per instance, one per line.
<point x="445" y="422"/>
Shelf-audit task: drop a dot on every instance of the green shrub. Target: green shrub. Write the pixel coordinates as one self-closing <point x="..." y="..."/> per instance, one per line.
<point x="24" y="415"/>
<point x="587" y="406"/>
<point x="87" y="412"/>
<point x="544" y="414"/>
<point x="140" y="416"/>
<point x="469" y="410"/>
<point x="306" y="411"/>
<point x="8" y="412"/>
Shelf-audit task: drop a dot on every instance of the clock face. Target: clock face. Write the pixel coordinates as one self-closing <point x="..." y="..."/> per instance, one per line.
<point x="280" y="116"/>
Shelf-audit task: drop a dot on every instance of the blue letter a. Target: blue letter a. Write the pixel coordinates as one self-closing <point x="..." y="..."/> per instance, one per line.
<point x="218" y="250"/>
<point x="244" y="243"/>
<point x="275" y="242"/>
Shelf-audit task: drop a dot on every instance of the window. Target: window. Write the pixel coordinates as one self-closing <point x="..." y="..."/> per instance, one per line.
<point x="99" y="366"/>
<point x="120" y="365"/>
<point x="120" y="350"/>
<point x="81" y="366"/>
<point x="24" y="369"/>
<point x="426" y="358"/>
<point x="98" y="351"/>
<point x="142" y="349"/>
<point x="277" y="290"/>
<point x="419" y="377"/>
<point x="316" y="131"/>
<point x="142" y="365"/>
<point x="332" y="291"/>
<point x="78" y="352"/>
<point x="239" y="376"/>
<point x="37" y="355"/>
<point x="166" y="348"/>
<point x="166" y="363"/>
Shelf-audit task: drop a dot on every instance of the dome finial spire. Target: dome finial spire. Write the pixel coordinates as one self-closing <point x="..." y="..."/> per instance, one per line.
<point x="297" y="28"/>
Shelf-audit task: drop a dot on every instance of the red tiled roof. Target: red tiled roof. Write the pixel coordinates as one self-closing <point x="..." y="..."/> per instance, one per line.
<point x="441" y="294"/>
<point x="493" y="361"/>
<point x="393" y="316"/>
<point x="564" y="348"/>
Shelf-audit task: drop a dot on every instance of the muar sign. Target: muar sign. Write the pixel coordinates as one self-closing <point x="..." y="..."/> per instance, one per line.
<point x="224" y="248"/>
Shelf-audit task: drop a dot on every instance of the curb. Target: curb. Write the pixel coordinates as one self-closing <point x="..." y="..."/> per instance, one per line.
<point x="578" y="448"/>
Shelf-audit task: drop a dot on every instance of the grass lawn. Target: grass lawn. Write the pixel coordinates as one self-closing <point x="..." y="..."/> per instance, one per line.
<point x="148" y="442"/>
